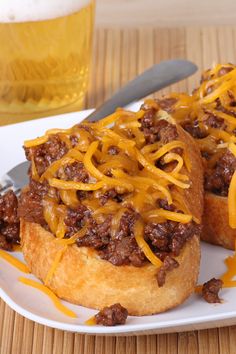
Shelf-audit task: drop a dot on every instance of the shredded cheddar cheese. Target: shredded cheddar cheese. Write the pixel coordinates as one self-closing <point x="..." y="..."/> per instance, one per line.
<point x="50" y="294"/>
<point x="54" y="266"/>
<point x="70" y="185"/>
<point x="169" y="215"/>
<point x="14" y="261"/>
<point x="91" y="321"/>
<point x="113" y="158"/>
<point x="158" y="172"/>
<point x="211" y="109"/>
<point x="167" y="148"/>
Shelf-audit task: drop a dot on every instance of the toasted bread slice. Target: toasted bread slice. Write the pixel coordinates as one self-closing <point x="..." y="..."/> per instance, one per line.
<point x="84" y="279"/>
<point x="216" y="229"/>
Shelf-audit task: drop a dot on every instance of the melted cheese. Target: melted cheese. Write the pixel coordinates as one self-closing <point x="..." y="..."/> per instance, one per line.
<point x="158" y="172"/>
<point x="72" y="239"/>
<point x="217" y="92"/>
<point x="50" y="214"/>
<point x="99" y="175"/>
<point x="171" y="156"/>
<point x="14" y="262"/>
<point x="34" y="171"/>
<point x="169" y="215"/>
<point x="36" y="142"/>
<point x="69" y="197"/>
<point x="50" y="294"/>
<point x="167" y="148"/>
<point x="68" y="185"/>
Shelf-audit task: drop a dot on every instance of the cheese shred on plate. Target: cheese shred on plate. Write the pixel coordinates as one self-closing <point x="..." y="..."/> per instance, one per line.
<point x="50" y="294"/>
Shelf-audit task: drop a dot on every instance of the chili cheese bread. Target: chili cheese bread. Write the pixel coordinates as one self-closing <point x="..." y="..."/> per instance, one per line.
<point x="209" y="115"/>
<point x="113" y="215"/>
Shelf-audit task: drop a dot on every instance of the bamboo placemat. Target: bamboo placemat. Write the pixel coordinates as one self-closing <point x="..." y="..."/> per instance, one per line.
<point x="119" y="55"/>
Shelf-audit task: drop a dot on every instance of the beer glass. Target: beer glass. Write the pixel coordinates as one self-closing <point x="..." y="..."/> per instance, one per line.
<point x="45" y="50"/>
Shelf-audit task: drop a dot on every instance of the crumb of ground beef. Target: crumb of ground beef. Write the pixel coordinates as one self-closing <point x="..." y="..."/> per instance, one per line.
<point x="112" y="315"/>
<point x="210" y="290"/>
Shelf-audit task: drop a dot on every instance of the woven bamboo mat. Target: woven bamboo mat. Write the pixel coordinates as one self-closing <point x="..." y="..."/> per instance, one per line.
<point x="119" y="55"/>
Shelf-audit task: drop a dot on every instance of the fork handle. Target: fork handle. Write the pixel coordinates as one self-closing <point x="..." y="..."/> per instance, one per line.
<point x="157" y="77"/>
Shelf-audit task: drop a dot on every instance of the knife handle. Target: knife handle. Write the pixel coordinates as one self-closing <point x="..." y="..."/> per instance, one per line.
<point x="155" y="78"/>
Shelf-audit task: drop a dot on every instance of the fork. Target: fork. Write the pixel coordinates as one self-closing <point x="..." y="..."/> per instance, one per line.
<point x="15" y="179"/>
<point x="154" y="79"/>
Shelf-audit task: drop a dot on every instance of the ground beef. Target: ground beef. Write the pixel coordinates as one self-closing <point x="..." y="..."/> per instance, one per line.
<point x="8" y="207"/>
<point x="123" y="251"/>
<point x="160" y="234"/>
<point x="113" y="150"/>
<point x="167" y="131"/>
<point x="46" y="153"/>
<point x="192" y="127"/>
<point x="162" y="203"/>
<point x="232" y="102"/>
<point x="167" y="104"/>
<point x="224" y="70"/>
<point x="217" y="179"/>
<point x="183" y="233"/>
<point x="155" y="129"/>
<point x="126" y="223"/>
<point x="168" y="265"/>
<point x="30" y="205"/>
<point x="112" y="315"/>
<point x="110" y="194"/>
<point x="210" y="290"/>
<point x="75" y="219"/>
<point x="97" y="236"/>
<point x="74" y="171"/>
<point x="170" y="236"/>
<point x="4" y="244"/>
<point x="213" y="121"/>
<point x="148" y="119"/>
<point x="9" y="221"/>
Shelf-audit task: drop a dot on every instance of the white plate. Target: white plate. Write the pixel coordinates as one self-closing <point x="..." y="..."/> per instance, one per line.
<point x="31" y="303"/>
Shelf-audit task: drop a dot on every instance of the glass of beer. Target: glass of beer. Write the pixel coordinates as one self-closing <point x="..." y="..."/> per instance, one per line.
<point x="45" y="52"/>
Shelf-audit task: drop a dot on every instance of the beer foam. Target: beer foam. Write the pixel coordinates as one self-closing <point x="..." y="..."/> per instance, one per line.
<point x="38" y="10"/>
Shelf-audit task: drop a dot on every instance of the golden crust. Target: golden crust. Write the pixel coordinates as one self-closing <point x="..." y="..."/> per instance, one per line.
<point x="83" y="278"/>
<point x="216" y="227"/>
<point x="193" y="195"/>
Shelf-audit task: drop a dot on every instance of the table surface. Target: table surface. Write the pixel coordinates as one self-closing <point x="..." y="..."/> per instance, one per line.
<point x="119" y="55"/>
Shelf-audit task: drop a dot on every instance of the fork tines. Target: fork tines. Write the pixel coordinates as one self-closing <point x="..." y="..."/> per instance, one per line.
<point x="5" y="186"/>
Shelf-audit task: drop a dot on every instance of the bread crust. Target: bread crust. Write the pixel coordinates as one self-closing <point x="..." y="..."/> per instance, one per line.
<point x="83" y="278"/>
<point x="216" y="229"/>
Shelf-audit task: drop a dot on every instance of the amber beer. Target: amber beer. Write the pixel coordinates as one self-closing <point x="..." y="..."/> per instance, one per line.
<point x="45" y="52"/>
